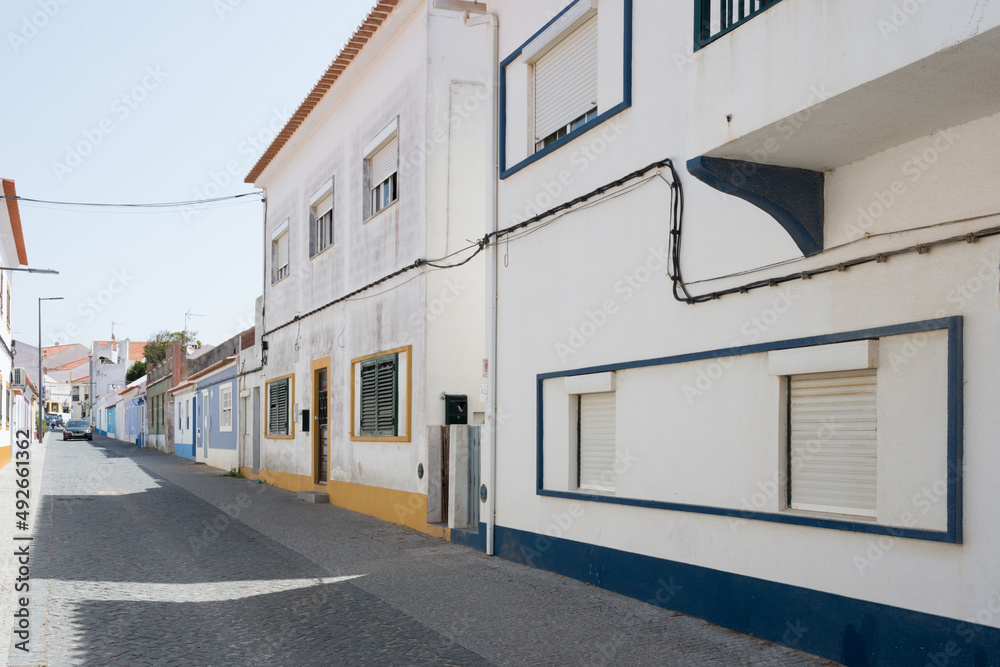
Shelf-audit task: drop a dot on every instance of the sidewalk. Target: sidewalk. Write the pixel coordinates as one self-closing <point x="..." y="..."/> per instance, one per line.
<point x="462" y="606"/>
<point x="507" y="613"/>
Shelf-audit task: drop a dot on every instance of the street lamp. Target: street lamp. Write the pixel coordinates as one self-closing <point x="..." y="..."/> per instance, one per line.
<point x="41" y="378"/>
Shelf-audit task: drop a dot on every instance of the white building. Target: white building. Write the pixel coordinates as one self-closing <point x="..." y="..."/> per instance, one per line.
<point x="383" y="167"/>
<point x="12" y="254"/>
<point x="800" y="444"/>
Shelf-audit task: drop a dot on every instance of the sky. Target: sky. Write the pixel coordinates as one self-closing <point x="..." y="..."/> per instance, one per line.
<point x="134" y="101"/>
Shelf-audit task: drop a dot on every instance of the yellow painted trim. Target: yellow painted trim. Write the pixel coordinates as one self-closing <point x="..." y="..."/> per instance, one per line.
<point x="408" y="350"/>
<point x="291" y="408"/>
<point x="5" y="455"/>
<point x="403" y="508"/>
<point x="319" y="364"/>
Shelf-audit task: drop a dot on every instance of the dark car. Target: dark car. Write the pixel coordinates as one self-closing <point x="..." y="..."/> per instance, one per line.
<point x="77" y="428"/>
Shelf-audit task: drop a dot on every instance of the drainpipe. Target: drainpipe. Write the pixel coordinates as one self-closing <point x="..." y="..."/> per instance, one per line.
<point x="491" y="283"/>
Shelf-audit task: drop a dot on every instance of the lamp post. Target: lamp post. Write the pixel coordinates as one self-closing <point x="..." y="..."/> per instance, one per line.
<point x="41" y="378"/>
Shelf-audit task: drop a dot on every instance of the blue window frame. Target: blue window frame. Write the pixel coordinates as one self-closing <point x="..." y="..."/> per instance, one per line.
<point x="576" y="128"/>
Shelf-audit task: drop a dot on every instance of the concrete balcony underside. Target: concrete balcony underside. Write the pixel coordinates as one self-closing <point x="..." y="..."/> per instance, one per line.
<point x="948" y="88"/>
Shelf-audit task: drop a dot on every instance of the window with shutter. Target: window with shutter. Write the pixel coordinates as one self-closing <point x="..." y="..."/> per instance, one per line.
<point x="596" y="432"/>
<point x="378" y="396"/>
<point x="280" y="256"/>
<point x="382" y="165"/>
<point x="277" y="408"/>
<point x="321" y="221"/>
<point x="833" y="442"/>
<point x="566" y="85"/>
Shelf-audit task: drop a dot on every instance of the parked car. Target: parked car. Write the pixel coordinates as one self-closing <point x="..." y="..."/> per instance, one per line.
<point x="54" y="420"/>
<point x="78" y="428"/>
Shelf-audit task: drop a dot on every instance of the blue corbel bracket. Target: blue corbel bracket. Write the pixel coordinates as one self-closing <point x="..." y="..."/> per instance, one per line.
<point x="793" y="197"/>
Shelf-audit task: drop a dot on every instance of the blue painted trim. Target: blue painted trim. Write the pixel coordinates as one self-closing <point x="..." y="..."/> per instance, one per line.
<point x="583" y="129"/>
<point x="953" y="532"/>
<point x="793" y="197"/>
<point x="851" y="631"/>
<point x="472" y="538"/>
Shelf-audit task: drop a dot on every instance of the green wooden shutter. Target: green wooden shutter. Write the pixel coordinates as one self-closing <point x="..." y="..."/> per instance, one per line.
<point x="277" y="415"/>
<point x="378" y="396"/>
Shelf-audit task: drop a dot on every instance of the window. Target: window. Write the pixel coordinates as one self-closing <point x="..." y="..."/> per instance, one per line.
<point x="833" y="442"/>
<point x="279" y="407"/>
<point x="226" y="408"/>
<point x="565" y="87"/>
<point x="321" y="220"/>
<point x="378" y="396"/>
<point x="381" y="170"/>
<point x="8" y="307"/>
<point x="187" y="414"/>
<point x="279" y="253"/>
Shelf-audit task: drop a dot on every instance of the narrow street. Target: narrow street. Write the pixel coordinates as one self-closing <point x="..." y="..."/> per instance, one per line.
<point x="141" y="558"/>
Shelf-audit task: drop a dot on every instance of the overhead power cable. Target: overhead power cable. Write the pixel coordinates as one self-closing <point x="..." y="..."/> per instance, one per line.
<point x="173" y="204"/>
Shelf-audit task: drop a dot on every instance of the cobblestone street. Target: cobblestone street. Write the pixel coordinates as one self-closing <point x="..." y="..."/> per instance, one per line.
<point x="141" y="558"/>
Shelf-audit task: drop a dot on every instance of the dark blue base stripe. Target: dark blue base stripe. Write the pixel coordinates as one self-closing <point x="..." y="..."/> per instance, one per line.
<point x="850" y="631"/>
<point x="472" y="538"/>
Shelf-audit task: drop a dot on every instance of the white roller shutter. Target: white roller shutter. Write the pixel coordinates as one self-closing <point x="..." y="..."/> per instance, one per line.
<point x="566" y="81"/>
<point x="597" y="441"/>
<point x="834" y="442"/>
<point x="281" y="252"/>
<point x="384" y="161"/>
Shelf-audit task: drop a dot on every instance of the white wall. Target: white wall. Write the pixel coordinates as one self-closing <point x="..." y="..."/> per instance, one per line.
<point x="417" y="76"/>
<point x="590" y="289"/>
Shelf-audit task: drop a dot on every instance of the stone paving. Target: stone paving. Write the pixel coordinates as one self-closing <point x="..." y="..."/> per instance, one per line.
<point x="141" y="558"/>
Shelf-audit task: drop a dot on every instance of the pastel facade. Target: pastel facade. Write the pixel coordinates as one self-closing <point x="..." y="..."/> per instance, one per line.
<point x="385" y="165"/>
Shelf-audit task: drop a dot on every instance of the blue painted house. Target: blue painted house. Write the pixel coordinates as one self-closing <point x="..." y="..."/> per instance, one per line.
<point x="205" y="415"/>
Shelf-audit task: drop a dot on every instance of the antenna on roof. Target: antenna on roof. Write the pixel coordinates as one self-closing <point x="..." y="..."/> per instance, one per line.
<point x="188" y="315"/>
<point x="113" y="329"/>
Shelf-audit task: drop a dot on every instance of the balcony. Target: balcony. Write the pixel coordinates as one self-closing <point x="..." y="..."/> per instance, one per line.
<point x="715" y="18"/>
<point x="817" y="84"/>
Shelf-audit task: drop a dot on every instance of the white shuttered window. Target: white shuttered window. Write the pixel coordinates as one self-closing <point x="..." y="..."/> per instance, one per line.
<point x="833" y="442"/>
<point x="280" y="256"/>
<point x="597" y="441"/>
<point x="384" y="161"/>
<point x="566" y="81"/>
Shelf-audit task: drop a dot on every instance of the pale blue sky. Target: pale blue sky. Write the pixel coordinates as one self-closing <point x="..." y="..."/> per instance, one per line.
<point x="162" y="96"/>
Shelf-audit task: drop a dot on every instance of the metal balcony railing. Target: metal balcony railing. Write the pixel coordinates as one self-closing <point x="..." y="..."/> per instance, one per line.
<point x="714" y="18"/>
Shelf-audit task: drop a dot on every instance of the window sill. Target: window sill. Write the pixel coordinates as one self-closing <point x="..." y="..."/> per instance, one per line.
<point x="324" y="250"/>
<point x="382" y="212"/>
<point x="562" y="141"/>
<point x="832" y="516"/>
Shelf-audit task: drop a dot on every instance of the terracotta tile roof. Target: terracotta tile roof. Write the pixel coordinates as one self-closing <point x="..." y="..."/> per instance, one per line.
<point x="247" y="339"/>
<point x="10" y="194"/>
<point x="375" y="18"/>
<point x="54" y="349"/>
<point x="68" y="366"/>
<point x="136" y="350"/>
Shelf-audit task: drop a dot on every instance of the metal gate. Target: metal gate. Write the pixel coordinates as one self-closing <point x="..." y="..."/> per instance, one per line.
<point x="474" y="448"/>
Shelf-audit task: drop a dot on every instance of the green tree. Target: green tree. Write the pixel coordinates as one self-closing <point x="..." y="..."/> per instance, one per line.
<point x="156" y="349"/>
<point x="135" y="371"/>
